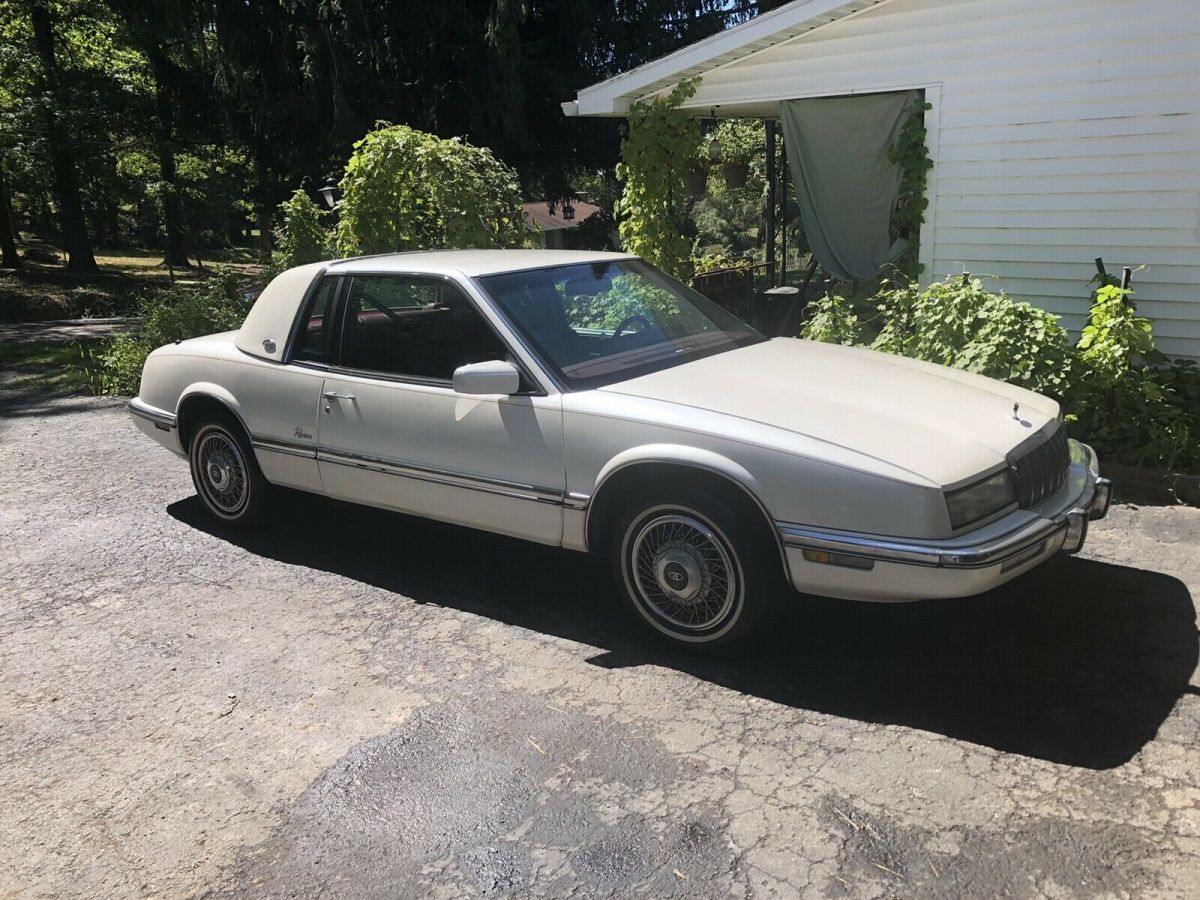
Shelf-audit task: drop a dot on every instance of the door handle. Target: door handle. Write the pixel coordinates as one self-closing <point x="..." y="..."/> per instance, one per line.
<point x="337" y="395"/>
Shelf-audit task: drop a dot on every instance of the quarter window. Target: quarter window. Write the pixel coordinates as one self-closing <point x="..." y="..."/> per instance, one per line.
<point x="312" y="343"/>
<point x="413" y="327"/>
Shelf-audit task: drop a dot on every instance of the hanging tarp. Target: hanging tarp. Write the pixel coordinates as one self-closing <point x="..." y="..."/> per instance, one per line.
<point x="837" y="153"/>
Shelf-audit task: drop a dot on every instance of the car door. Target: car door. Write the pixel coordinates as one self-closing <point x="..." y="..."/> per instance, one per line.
<point x="281" y="403"/>
<point x="393" y="432"/>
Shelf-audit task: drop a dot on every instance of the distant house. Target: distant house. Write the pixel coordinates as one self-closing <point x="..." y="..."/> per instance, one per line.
<point x="1060" y="132"/>
<point x="552" y="220"/>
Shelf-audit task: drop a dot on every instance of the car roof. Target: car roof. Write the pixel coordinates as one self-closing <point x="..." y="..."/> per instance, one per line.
<point x="470" y="262"/>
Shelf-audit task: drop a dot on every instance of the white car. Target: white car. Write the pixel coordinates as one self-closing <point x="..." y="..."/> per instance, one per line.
<point x="587" y="400"/>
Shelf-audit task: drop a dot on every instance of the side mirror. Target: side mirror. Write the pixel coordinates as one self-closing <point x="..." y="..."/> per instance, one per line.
<point x="492" y="377"/>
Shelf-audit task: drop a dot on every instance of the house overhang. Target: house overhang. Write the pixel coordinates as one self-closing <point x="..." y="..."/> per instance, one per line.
<point x="788" y="23"/>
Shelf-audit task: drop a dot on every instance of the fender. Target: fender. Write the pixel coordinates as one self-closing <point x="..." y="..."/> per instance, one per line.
<point x="677" y="454"/>
<point x="215" y="392"/>
<point x="682" y="455"/>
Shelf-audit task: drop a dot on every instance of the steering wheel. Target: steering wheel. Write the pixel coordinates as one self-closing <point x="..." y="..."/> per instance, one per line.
<point x="629" y="320"/>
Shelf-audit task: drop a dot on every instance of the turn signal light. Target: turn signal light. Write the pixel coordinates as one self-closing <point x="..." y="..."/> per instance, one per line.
<point x="839" y="559"/>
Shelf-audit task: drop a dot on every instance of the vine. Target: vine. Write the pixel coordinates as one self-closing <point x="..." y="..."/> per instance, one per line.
<point x="657" y="151"/>
<point x="912" y="154"/>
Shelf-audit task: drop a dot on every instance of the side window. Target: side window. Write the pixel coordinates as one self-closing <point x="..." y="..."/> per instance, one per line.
<point x="414" y="327"/>
<point x="316" y="328"/>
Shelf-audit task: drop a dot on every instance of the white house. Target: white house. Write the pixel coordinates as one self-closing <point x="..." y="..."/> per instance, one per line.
<point x="1060" y="131"/>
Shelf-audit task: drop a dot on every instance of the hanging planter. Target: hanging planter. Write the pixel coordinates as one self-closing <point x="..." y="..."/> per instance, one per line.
<point x="735" y="175"/>
<point x="695" y="181"/>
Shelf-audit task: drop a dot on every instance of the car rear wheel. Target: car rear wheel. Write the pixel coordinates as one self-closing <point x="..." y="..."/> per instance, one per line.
<point x="226" y="474"/>
<point x="691" y="567"/>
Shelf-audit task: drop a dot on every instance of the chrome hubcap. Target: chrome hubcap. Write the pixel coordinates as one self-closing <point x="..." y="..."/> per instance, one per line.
<point x="223" y="473"/>
<point x="683" y="571"/>
<point x="219" y="475"/>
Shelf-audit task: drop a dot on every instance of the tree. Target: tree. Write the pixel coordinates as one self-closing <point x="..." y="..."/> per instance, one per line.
<point x="408" y="190"/>
<point x="8" y="248"/>
<point x="62" y="153"/>
<point x="169" y="35"/>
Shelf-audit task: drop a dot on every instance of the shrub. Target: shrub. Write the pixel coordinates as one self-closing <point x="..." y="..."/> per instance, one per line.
<point x="1129" y="402"/>
<point x="1118" y="392"/>
<point x="957" y="323"/>
<point x="408" y="190"/>
<point x="301" y="238"/>
<point x="164" y="317"/>
<point x="833" y="321"/>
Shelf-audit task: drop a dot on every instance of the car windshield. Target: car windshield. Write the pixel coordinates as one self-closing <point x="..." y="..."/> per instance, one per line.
<point x="600" y="323"/>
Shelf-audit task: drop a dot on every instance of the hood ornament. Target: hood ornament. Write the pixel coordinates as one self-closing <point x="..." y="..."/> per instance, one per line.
<point x="1016" y="412"/>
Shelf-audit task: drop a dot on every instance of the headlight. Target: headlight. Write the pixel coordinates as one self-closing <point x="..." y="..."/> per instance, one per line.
<point x="980" y="500"/>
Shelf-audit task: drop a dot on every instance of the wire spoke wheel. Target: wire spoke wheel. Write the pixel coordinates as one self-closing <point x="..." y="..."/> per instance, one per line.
<point x="683" y="571"/>
<point x="221" y="471"/>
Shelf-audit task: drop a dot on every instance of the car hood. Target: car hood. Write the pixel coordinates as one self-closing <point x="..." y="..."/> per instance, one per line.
<point x="942" y="425"/>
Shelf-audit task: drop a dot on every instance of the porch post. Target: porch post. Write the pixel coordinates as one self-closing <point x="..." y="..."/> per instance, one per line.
<point x="783" y="210"/>
<point x="769" y="133"/>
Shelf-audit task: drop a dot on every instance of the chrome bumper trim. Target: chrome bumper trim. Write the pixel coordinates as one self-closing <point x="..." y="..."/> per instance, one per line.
<point x="885" y="549"/>
<point x="576" y="500"/>
<point x="1071" y="525"/>
<point x="441" y="476"/>
<point x="1101" y="498"/>
<point x="160" y="417"/>
<point x="288" y="448"/>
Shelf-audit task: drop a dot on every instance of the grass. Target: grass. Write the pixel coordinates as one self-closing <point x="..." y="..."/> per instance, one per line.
<point x="43" y="290"/>
<point x="60" y="367"/>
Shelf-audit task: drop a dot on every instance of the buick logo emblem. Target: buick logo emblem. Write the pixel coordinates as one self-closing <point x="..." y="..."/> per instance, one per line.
<point x="676" y="576"/>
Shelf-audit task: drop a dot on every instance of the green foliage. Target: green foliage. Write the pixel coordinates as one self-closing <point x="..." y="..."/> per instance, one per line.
<point x="1114" y="339"/>
<point x="732" y="218"/>
<point x="1118" y="392"/>
<point x="833" y="321"/>
<point x="164" y="317"/>
<point x="741" y="141"/>
<point x="912" y="153"/>
<point x="959" y="324"/>
<point x="408" y="190"/>
<point x="1129" y="403"/>
<point x="718" y="260"/>
<point x="658" y="149"/>
<point x="629" y="295"/>
<point x="301" y="237"/>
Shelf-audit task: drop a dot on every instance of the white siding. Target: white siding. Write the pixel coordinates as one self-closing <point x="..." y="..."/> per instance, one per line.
<point x="1064" y="131"/>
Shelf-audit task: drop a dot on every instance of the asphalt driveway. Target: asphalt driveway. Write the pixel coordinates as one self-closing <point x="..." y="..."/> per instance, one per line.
<point x="359" y="704"/>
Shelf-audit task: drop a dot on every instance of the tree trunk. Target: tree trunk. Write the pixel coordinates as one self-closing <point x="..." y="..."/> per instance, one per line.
<point x="176" y="253"/>
<point x="62" y="155"/>
<point x="262" y="207"/>
<point x="8" y="245"/>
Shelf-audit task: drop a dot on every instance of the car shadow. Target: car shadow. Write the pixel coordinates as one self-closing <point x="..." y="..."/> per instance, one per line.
<point x="1078" y="662"/>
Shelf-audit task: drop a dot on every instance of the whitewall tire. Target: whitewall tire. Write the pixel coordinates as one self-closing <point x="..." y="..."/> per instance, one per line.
<point x="691" y="568"/>
<point x="226" y="474"/>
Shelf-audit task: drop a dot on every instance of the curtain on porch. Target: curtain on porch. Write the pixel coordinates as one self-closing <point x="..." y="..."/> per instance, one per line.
<point x="837" y="152"/>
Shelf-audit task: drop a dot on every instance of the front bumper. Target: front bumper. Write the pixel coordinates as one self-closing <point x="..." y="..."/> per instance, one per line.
<point x="862" y="566"/>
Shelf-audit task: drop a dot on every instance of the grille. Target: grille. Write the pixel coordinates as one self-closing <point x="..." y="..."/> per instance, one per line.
<point x="1041" y="470"/>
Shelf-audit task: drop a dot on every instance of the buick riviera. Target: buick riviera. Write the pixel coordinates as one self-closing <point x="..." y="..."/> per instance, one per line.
<point x="589" y="401"/>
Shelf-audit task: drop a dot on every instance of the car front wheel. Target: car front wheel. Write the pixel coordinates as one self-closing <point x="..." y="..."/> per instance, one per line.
<point x="692" y="569"/>
<point x="226" y="474"/>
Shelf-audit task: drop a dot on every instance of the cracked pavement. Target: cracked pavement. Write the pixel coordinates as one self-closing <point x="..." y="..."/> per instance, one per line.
<point x="354" y="703"/>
